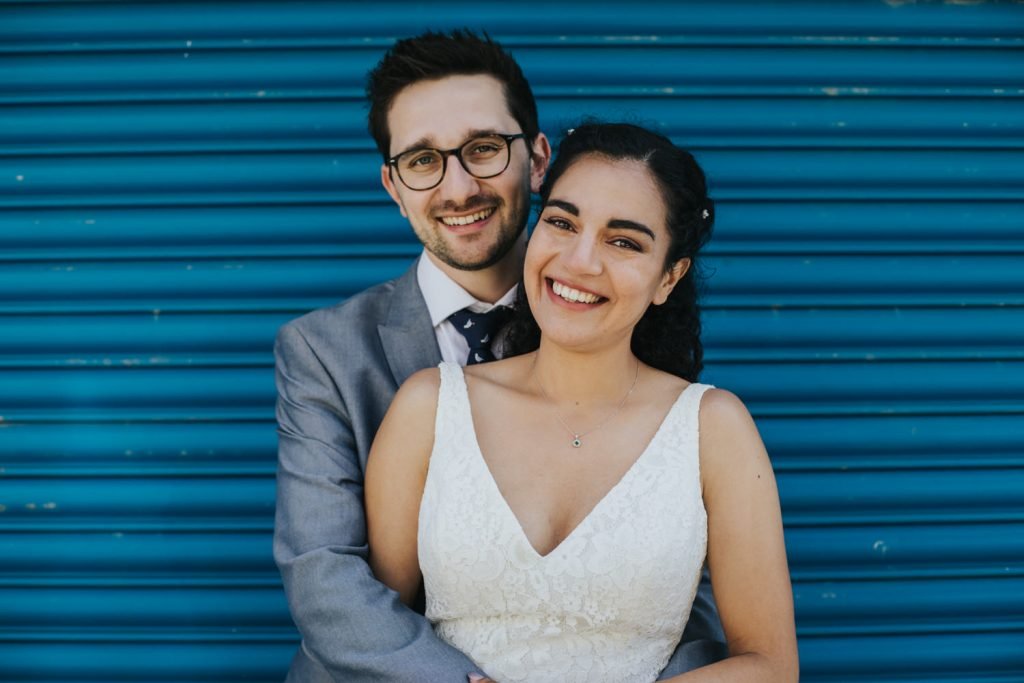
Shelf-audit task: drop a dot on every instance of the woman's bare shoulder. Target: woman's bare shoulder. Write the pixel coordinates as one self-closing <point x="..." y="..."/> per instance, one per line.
<point x="722" y="409"/>
<point x="416" y="399"/>
<point x="409" y="422"/>
<point x="420" y="386"/>
<point x="508" y="373"/>
<point x="729" y="441"/>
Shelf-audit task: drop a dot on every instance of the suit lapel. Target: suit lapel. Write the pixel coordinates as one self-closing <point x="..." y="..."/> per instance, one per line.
<point x="408" y="337"/>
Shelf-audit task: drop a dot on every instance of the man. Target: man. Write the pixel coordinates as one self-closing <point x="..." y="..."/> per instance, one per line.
<point x="456" y="124"/>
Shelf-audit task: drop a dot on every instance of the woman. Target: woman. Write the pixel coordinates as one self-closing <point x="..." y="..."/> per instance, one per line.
<point x="570" y="498"/>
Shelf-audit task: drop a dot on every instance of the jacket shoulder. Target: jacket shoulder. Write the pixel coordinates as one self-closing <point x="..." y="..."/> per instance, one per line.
<point x="351" y="320"/>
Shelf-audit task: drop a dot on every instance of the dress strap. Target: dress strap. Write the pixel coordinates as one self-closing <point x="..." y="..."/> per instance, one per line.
<point x="453" y="411"/>
<point x="452" y="378"/>
<point x="452" y="394"/>
<point x="692" y="396"/>
<point x="684" y="425"/>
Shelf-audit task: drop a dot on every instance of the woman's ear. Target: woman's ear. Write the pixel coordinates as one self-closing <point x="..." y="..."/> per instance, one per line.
<point x="672" y="276"/>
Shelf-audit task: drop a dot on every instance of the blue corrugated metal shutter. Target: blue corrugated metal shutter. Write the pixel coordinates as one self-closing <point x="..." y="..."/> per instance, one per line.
<point x="178" y="179"/>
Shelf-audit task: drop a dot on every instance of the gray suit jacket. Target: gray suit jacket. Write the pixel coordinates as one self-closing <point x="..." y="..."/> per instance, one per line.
<point x="338" y="369"/>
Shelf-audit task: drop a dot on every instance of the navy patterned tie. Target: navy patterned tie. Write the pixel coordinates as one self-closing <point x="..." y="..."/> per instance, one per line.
<point x="479" y="330"/>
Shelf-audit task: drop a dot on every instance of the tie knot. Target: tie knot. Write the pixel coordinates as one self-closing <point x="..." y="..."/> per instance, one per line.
<point x="479" y="329"/>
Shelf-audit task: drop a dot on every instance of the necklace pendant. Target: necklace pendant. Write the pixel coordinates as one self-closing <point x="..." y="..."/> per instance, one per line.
<point x="576" y="443"/>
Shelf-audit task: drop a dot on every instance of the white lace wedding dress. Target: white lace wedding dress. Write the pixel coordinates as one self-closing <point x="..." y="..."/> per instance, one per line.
<point x="608" y="604"/>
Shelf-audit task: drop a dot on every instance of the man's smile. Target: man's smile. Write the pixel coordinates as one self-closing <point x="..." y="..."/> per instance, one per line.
<point x="453" y="221"/>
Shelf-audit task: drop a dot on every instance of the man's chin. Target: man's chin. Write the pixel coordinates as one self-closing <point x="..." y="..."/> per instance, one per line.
<point x="471" y="264"/>
<point x="475" y="262"/>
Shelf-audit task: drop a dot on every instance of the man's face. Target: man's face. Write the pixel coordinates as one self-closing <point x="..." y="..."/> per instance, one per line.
<point x="466" y="223"/>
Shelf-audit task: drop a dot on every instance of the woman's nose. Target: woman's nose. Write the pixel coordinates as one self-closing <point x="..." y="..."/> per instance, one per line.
<point x="583" y="257"/>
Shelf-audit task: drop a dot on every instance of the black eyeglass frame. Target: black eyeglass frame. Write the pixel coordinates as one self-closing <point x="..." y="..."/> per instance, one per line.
<point x="456" y="152"/>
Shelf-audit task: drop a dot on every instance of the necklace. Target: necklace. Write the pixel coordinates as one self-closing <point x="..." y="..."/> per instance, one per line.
<point x="577" y="437"/>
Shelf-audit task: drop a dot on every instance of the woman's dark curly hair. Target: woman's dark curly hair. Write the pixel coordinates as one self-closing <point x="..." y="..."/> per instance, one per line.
<point x="667" y="337"/>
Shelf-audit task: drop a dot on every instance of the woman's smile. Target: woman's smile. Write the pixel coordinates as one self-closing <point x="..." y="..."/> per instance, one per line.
<point x="599" y="247"/>
<point x="572" y="295"/>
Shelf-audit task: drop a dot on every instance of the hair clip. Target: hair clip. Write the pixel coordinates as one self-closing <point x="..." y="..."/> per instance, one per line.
<point x="570" y="132"/>
<point x="704" y="214"/>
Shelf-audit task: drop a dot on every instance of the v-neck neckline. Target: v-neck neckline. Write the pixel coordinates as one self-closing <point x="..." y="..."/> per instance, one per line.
<point x="601" y="501"/>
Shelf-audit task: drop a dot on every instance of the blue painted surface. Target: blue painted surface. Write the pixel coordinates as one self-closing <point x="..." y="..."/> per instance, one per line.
<point x="178" y="179"/>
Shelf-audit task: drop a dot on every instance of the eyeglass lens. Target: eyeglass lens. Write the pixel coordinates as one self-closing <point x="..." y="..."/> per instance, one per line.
<point x="483" y="157"/>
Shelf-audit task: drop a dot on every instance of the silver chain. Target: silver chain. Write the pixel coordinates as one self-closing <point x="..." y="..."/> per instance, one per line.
<point x="577" y="441"/>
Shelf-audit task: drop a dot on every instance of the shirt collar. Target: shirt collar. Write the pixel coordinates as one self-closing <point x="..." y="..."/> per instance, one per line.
<point x="444" y="296"/>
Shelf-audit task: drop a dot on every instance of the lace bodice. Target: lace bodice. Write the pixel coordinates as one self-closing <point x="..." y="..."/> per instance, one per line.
<point x="608" y="604"/>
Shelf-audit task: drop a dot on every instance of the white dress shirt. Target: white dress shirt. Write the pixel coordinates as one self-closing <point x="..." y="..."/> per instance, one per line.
<point x="444" y="296"/>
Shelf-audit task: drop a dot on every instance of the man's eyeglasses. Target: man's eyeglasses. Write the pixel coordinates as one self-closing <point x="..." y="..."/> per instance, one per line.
<point x="484" y="156"/>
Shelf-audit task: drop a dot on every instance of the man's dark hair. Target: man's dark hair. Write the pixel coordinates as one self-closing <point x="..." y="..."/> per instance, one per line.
<point x="433" y="56"/>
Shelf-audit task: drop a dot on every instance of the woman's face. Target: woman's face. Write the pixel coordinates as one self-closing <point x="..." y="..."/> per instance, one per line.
<point x="596" y="259"/>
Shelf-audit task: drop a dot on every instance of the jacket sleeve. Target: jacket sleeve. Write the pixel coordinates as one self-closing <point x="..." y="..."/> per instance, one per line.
<point x="703" y="640"/>
<point x="351" y="625"/>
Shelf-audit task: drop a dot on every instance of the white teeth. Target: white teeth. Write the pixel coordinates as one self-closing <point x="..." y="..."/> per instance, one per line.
<point x="574" y="295"/>
<point x="466" y="220"/>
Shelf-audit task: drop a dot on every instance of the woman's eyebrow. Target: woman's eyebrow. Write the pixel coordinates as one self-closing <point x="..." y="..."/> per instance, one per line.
<point x="625" y="224"/>
<point x="616" y="223"/>
<point x="568" y="207"/>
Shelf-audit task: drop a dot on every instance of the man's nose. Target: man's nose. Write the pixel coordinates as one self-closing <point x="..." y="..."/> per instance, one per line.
<point x="457" y="184"/>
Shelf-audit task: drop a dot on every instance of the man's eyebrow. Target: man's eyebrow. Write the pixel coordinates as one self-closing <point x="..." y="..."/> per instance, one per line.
<point x="480" y="133"/>
<point x="426" y="142"/>
<point x="625" y="224"/>
<point x="422" y="143"/>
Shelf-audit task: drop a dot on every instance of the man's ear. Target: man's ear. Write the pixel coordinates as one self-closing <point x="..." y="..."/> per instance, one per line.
<point x="540" y="156"/>
<point x="389" y="185"/>
<point x="670" y="280"/>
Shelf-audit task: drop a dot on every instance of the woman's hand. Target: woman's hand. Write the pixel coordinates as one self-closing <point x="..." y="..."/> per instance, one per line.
<point x="477" y="678"/>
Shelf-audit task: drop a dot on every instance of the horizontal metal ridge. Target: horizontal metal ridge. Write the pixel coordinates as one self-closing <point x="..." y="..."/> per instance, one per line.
<point x="851" y="608"/>
<point x="670" y="95"/>
<point x="992" y="626"/>
<point x="52" y="466"/>
<point x="207" y="447"/>
<point x="285" y="179"/>
<point x="337" y="197"/>
<point x="914" y="658"/>
<point x="728" y="335"/>
<point x="837" y="498"/>
<point x="358" y="170"/>
<point x="277" y="123"/>
<point x="821" y="142"/>
<point x="29" y="22"/>
<point x="169" y="635"/>
<point x="610" y="39"/>
<point x="40" y="252"/>
<point x="262" y="522"/>
<point x="824" y="553"/>
<point x="743" y="228"/>
<point x="247" y="285"/>
<point x="214" y="526"/>
<point x="129" y="582"/>
<point x="712" y="357"/>
<point x="920" y="409"/>
<point x="974" y="386"/>
<point x="626" y="68"/>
